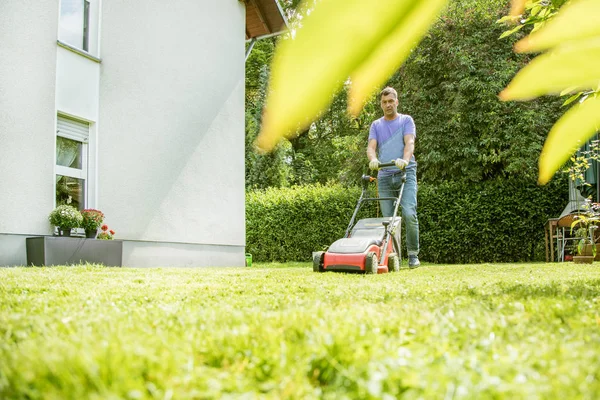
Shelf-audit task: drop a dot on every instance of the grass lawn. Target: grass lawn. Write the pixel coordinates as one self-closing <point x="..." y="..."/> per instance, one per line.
<point x="514" y="331"/>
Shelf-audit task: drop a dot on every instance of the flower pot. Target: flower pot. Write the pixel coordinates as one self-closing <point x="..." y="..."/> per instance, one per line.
<point x="91" y="233"/>
<point x="587" y="250"/>
<point x="64" y="231"/>
<point x="583" y="259"/>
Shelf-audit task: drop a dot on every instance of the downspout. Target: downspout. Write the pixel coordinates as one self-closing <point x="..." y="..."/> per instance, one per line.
<point x="249" y="49"/>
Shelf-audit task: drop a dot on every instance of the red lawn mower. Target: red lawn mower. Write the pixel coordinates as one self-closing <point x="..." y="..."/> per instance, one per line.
<point x="371" y="245"/>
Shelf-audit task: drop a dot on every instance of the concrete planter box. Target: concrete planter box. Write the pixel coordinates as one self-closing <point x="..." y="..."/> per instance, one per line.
<point x="55" y="250"/>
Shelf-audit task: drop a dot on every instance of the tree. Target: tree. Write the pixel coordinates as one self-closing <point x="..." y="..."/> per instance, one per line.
<point x="310" y="68"/>
<point x="449" y="85"/>
<point x="262" y="170"/>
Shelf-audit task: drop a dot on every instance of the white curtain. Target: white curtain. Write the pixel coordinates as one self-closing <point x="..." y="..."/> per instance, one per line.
<point x="66" y="152"/>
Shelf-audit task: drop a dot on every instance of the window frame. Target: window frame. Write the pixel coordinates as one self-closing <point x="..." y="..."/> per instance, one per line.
<point x="87" y="42"/>
<point x="76" y="173"/>
<point x="86" y="25"/>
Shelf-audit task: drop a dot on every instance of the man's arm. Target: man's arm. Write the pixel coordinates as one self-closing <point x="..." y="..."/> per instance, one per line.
<point x="372" y="150"/>
<point x="409" y="147"/>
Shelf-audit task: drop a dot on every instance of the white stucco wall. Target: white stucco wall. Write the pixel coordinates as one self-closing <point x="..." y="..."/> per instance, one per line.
<point x="171" y="121"/>
<point x="77" y="87"/>
<point x="28" y="32"/>
<point x="167" y="126"/>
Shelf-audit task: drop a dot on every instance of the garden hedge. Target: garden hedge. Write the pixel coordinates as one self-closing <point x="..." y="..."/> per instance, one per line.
<point x="490" y="221"/>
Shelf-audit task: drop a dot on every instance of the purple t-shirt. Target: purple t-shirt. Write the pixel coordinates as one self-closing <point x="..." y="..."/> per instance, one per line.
<point x="382" y="130"/>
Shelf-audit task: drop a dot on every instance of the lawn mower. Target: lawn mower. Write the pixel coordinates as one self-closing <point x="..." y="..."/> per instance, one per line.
<point x="371" y="245"/>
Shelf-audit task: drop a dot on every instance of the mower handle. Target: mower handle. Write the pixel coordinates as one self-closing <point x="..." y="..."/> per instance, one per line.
<point x="368" y="178"/>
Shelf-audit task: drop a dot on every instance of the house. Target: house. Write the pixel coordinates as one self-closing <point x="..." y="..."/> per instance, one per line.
<point x="132" y="108"/>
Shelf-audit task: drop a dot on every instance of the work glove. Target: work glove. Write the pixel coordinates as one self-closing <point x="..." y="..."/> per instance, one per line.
<point x="401" y="163"/>
<point x="374" y="164"/>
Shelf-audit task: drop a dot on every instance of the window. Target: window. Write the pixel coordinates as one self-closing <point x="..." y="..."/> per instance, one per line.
<point x="71" y="162"/>
<point x="74" y="26"/>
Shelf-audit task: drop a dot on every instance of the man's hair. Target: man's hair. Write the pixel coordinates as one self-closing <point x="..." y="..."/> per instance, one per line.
<point x="387" y="91"/>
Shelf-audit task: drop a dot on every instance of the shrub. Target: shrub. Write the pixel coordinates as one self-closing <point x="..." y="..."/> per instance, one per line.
<point x="290" y="223"/>
<point x="492" y="221"/>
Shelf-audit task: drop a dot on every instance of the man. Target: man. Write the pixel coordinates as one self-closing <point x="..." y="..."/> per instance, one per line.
<point x="392" y="138"/>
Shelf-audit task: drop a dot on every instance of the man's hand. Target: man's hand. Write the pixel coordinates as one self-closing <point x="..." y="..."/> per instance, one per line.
<point x="374" y="164"/>
<point x="401" y="163"/>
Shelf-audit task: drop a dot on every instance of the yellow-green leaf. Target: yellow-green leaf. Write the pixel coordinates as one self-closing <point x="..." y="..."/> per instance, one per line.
<point x="572" y="99"/>
<point x="391" y="52"/>
<point x="509" y="20"/>
<point x="567" y="91"/>
<point x="308" y="70"/>
<point x="517" y="7"/>
<point x="568" y="134"/>
<point x="510" y="32"/>
<point x="576" y="20"/>
<point x="575" y="65"/>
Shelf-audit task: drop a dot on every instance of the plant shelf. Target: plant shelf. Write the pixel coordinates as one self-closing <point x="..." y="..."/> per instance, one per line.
<point x="61" y="250"/>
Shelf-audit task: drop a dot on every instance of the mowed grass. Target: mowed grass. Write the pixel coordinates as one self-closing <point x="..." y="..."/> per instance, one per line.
<point x="526" y="331"/>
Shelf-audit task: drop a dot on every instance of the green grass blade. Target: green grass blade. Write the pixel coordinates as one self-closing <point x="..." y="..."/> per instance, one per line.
<point x="574" y="128"/>
<point x="481" y="331"/>
<point x="574" y="66"/>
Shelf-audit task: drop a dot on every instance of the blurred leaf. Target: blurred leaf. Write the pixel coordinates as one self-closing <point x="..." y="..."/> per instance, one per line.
<point x="570" y="66"/>
<point x="572" y="38"/>
<point x="391" y="53"/>
<point x="517" y="7"/>
<point x="568" y="90"/>
<point x="568" y="134"/>
<point x="335" y="38"/>
<point x="577" y="20"/>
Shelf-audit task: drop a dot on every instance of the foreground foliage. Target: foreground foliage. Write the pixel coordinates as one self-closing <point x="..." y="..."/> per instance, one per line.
<point x="449" y="84"/>
<point x="570" y="34"/>
<point x="309" y="69"/>
<point x="480" y="331"/>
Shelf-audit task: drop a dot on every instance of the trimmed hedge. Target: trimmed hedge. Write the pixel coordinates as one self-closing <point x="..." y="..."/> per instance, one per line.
<point x="492" y="221"/>
<point x="288" y="224"/>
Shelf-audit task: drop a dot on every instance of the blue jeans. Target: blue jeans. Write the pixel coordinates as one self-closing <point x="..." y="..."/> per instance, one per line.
<point x="389" y="187"/>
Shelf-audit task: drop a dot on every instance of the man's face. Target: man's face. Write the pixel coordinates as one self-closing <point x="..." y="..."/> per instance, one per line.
<point x="389" y="105"/>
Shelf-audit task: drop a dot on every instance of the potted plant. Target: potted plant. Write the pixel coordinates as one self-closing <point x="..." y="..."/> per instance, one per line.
<point x="106" y="234"/>
<point x="65" y="218"/>
<point x="92" y="220"/>
<point x="585" y="225"/>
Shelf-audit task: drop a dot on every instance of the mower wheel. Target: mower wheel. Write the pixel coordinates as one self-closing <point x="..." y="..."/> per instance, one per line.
<point x="371" y="263"/>
<point x="393" y="263"/>
<point x="318" y="262"/>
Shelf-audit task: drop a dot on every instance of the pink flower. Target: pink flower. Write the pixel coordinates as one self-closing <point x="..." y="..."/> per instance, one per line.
<point x="112" y="232"/>
<point x="104" y="227"/>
